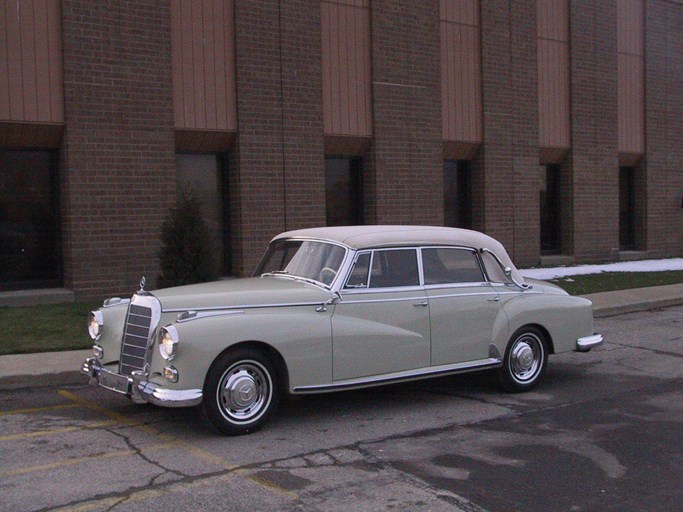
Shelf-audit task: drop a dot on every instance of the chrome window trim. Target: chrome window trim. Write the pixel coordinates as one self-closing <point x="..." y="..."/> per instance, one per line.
<point x="477" y="257"/>
<point x="368" y="288"/>
<point x="473" y="284"/>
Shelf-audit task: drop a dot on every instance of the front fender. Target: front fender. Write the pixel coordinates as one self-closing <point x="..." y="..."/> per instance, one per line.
<point x="301" y="335"/>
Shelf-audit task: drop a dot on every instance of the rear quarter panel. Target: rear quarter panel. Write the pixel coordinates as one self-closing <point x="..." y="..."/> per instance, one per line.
<point x="565" y="317"/>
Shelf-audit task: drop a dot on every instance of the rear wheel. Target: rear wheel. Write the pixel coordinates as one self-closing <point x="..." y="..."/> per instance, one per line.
<point x="240" y="392"/>
<point x="525" y="360"/>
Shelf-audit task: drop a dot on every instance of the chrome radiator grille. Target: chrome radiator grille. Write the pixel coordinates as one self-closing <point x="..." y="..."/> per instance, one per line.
<point x="141" y="320"/>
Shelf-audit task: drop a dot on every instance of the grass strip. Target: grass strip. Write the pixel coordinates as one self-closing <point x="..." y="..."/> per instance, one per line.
<point x="46" y="328"/>
<point x="610" y="281"/>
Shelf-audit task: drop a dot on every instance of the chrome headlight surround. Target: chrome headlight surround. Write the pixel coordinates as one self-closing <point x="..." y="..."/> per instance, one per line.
<point x="95" y="324"/>
<point x="168" y="342"/>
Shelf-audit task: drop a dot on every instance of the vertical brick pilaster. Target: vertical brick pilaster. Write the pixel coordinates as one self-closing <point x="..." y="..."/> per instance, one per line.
<point x="506" y="169"/>
<point x="663" y="179"/>
<point x="407" y="164"/>
<point x="594" y="151"/>
<point x="303" y="114"/>
<point x="117" y="159"/>
<point x="259" y="173"/>
<point x="280" y="180"/>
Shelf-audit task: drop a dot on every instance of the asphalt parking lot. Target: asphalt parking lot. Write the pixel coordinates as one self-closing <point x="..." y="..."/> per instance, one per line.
<point x="603" y="433"/>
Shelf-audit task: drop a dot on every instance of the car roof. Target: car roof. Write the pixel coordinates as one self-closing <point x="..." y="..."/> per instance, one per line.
<point x="369" y="237"/>
<point x="363" y="237"/>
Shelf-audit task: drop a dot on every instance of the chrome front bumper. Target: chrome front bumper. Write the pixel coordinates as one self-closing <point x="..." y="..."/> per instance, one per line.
<point x="138" y="388"/>
<point x="588" y="342"/>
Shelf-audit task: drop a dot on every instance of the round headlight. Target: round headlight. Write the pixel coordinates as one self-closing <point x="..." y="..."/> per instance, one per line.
<point x="95" y="323"/>
<point x="168" y="342"/>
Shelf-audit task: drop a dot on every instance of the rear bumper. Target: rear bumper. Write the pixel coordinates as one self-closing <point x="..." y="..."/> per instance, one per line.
<point x="586" y="343"/>
<point x="138" y="388"/>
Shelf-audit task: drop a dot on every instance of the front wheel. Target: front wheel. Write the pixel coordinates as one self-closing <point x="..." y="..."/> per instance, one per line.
<point x="240" y="392"/>
<point x="525" y="360"/>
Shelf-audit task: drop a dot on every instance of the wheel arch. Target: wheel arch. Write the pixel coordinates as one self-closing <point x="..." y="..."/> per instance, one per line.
<point x="547" y="338"/>
<point x="270" y="352"/>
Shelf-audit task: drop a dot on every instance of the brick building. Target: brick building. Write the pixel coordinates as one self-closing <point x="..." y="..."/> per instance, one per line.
<point x="555" y="126"/>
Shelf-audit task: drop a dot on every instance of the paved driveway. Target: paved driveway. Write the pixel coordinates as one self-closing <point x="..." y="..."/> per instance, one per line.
<point x="604" y="433"/>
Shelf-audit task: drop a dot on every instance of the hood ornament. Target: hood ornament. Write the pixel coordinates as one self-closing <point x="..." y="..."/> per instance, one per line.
<point x="142" y="290"/>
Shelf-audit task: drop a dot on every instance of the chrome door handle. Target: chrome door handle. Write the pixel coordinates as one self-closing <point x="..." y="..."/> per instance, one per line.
<point x="496" y="299"/>
<point x="424" y="303"/>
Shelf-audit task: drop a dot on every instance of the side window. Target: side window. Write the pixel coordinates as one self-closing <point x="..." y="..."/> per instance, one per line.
<point x="359" y="272"/>
<point x="446" y="265"/>
<point x="394" y="267"/>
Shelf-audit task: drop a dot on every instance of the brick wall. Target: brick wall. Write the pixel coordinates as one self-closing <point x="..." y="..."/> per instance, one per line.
<point x="594" y="153"/>
<point x="117" y="164"/>
<point x="279" y="182"/>
<point x="407" y="165"/>
<point x="506" y="197"/>
<point x="663" y="180"/>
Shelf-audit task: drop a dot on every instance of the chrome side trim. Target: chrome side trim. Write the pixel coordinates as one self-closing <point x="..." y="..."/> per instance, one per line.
<point x="392" y="378"/>
<point x="188" y="316"/>
<point x="369" y="301"/>
<point x="451" y="295"/>
<point x="586" y="343"/>
<point x="241" y="306"/>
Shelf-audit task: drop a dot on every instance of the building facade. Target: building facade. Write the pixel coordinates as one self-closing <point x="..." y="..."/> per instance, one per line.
<point x="555" y="126"/>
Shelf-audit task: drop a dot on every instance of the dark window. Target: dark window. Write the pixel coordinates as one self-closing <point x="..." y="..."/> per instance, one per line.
<point x="457" y="194"/>
<point x="360" y="271"/>
<point x="445" y="265"/>
<point x="627" y="199"/>
<point x="30" y="245"/>
<point x="206" y="177"/>
<point x="343" y="191"/>
<point x="394" y="267"/>
<point x="550" y="209"/>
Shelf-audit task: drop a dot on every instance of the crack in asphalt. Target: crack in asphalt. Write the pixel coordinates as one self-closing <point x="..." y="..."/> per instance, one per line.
<point x="652" y="350"/>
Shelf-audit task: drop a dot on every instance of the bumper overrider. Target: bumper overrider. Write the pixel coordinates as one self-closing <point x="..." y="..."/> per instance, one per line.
<point x="586" y="343"/>
<point x="138" y="388"/>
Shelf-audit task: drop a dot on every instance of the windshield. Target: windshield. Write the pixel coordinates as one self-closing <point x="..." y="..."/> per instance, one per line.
<point x="316" y="261"/>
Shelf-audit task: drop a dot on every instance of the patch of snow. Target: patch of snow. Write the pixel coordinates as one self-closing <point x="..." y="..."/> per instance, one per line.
<point x="624" y="266"/>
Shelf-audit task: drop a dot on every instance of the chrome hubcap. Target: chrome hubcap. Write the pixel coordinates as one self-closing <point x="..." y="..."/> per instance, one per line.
<point x="245" y="391"/>
<point x="526" y="358"/>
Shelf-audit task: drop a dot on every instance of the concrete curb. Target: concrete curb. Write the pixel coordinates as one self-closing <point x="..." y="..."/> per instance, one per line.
<point x="63" y="368"/>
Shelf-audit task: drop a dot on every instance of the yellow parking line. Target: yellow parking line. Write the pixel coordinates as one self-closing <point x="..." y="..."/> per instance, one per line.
<point x="79" y="460"/>
<point x="195" y="450"/>
<point x="33" y="410"/>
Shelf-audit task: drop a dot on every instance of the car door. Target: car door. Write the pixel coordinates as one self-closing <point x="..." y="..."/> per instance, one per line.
<point x="381" y="323"/>
<point x="465" y="309"/>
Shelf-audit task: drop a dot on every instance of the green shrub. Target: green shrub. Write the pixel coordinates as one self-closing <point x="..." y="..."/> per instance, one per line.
<point x="186" y="255"/>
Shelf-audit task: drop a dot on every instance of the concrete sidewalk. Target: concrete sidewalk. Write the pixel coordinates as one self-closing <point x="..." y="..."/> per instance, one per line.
<point x="63" y="368"/>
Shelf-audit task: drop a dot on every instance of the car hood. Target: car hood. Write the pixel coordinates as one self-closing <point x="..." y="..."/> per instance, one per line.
<point x="240" y="293"/>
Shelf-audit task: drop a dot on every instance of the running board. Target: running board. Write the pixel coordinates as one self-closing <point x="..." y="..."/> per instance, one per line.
<point x="394" y="378"/>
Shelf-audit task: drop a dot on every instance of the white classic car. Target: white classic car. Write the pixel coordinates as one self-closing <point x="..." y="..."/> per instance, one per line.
<point x="332" y="309"/>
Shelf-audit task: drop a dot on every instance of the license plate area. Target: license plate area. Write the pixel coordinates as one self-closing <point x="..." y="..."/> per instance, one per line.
<point x="114" y="382"/>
